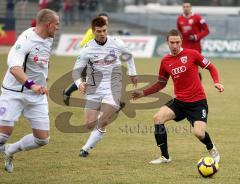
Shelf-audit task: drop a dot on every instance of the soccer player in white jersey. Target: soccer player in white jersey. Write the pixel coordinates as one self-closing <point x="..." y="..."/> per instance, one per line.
<point x="102" y="88"/>
<point x="24" y="87"/>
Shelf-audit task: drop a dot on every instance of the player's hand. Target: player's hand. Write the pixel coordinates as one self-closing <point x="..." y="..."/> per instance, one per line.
<point x="192" y="37"/>
<point x="134" y="80"/>
<point x="82" y="87"/>
<point x="40" y="90"/>
<point x="136" y="94"/>
<point x="219" y="86"/>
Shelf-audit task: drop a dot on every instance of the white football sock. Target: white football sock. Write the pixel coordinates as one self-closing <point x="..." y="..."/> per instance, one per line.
<point x="28" y="142"/>
<point x="3" y="140"/>
<point x="95" y="136"/>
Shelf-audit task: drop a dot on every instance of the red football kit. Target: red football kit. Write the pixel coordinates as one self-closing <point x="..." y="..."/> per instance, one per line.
<point x="183" y="69"/>
<point x="193" y="29"/>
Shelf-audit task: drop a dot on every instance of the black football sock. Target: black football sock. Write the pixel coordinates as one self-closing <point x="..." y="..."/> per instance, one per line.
<point x="161" y="139"/>
<point x="71" y="89"/>
<point x="200" y="76"/>
<point x="207" y="141"/>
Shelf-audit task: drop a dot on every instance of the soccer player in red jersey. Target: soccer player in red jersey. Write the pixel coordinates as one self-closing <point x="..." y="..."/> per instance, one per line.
<point x="193" y="28"/>
<point x="190" y="99"/>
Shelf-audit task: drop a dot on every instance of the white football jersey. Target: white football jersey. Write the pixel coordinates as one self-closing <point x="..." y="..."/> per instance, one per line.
<point x="104" y="73"/>
<point x="32" y="53"/>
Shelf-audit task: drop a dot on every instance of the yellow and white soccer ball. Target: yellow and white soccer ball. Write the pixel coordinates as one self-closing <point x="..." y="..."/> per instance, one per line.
<point x="207" y="167"/>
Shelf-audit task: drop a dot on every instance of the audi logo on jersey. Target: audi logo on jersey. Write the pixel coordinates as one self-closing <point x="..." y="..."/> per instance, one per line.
<point x="178" y="70"/>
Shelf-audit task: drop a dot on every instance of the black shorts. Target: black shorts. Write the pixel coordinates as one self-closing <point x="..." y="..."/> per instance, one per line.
<point x="193" y="111"/>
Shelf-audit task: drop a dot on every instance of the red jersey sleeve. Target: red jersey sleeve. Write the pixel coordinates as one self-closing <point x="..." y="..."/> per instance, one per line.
<point x="163" y="74"/>
<point x="160" y="84"/>
<point x="204" y="30"/>
<point x="204" y="63"/>
<point x="214" y="73"/>
<point x="178" y="25"/>
<point x="200" y="60"/>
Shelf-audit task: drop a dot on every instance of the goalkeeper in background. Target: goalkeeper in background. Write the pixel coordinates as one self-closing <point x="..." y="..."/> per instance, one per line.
<point x="88" y="36"/>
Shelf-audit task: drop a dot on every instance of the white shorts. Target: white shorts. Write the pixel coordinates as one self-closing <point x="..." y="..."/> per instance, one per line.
<point x="34" y="108"/>
<point x="94" y="101"/>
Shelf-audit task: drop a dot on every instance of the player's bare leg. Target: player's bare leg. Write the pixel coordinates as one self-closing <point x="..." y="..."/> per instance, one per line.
<point x="5" y="133"/>
<point x="163" y="115"/>
<point x="102" y="119"/>
<point x="200" y="132"/>
<point x="31" y="141"/>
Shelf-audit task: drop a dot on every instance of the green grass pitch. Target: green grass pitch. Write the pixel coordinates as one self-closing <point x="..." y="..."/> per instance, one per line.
<point x="123" y="155"/>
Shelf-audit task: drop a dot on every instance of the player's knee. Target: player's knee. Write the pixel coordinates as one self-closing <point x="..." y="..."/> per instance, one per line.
<point x="200" y="134"/>
<point x="163" y="115"/>
<point x="104" y="121"/>
<point x="158" y="118"/>
<point x="90" y="125"/>
<point x="3" y="138"/>
<point x="42" y="142"/>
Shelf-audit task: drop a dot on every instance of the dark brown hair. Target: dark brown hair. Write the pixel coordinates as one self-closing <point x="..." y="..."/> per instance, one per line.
<point x="186" y="1"/>
<point x="98" y="22"/>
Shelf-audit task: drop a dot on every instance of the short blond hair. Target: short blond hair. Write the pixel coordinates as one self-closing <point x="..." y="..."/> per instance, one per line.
<point x="45" y="15"/>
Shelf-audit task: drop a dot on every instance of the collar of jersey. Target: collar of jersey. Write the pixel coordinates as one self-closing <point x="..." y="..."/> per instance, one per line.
<point x="100" y="43"/>
<point x="181" y="49"/>
<point x="37" y="37"/>
<point x="187" y="16"/>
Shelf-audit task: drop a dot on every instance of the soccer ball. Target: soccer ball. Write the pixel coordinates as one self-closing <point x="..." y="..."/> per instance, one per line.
<point x="207" y="167"/>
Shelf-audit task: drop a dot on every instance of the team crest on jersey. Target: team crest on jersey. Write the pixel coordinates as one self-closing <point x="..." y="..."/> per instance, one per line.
<point x="184" y="59"/>
<point x="205" y="61"/>
<point x="110" y="58"/>
<point x="112" y="53"/>
<point x="190" y="21"/>
<point x="2" y="110"/>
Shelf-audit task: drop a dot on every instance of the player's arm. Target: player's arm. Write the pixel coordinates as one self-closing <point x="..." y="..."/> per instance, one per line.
<point x="204" y="29"/>
<point x="127" y="56"/>
<point x="87" y="37"/>
<point x="205" y="63"/>
<point x="21" y="77"/>
<point x="159" y="85"/>
<point x="214" y="73"/>
<point x="16" y="59"/>
<point x="132" y="71"/>
<point x="178" y="25"/>
<point x="78" y="68"/>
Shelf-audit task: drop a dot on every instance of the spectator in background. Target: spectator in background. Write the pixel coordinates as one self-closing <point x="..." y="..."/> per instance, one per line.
<point x="43" y="4"/>
<point x="54" y="5"/>
<point x="192" y="27"/>
<point x="124" y="32"/>
<point x="10" y="5"/>
<point x="82" y="10"/>
<point x="68" y="12"/>
<point x="23" y="4"/>
<point x="215" y="3"/>
<point x="92" y="8"/>
<point x="33" y="23"/>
